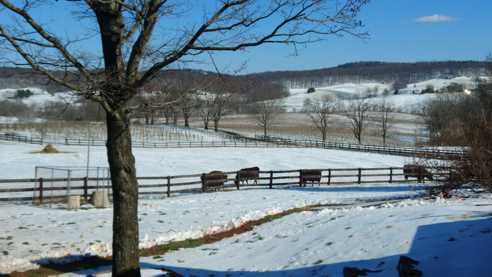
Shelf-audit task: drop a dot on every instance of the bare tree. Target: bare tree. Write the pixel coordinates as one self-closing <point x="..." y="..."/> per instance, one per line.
<point x="384" y="117"/>
<point x="357" y="111"/>
<point x="205" y="109"/>
<point x="186" y="103"/>
<point x="219" y="106"/>
<point x="319" y="112"/>
<point x="266" y="113"/>
<point x="135" y="47"/>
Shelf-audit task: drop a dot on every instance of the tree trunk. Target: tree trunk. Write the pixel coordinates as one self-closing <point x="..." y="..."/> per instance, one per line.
<point x="265" y="130"/>
<point x="175" y="118"/>
<point x="166" y="115"/>
<point x="205" y="124"/>
<point x="125" y="196"/>
<point x="186" y="120"/>
<point x="216" y="125"/>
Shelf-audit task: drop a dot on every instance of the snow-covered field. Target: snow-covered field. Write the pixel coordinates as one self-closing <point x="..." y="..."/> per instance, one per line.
<point x="60" y="131"/>
<point x="39" y="97"/>
<point x="409" y="98"/>
<point x="30" y="233"/>
<point x="320" y="242"/>
<point x="447" y="238"/>
<point x="438" y="84"/>
<point x="18" y="161"/>
<point x="297" y="97"/>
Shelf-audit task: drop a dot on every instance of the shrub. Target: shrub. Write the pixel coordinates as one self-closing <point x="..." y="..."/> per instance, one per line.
<point x="23" y="93"/>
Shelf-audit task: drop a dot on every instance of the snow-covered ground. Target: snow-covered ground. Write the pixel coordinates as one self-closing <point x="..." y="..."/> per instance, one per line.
<point x="447" y="238"/>
<point x="408" y="103"/>
<point x="18" y="160"/>
<point x="39" y="97"/>
<point x="409" y="99"/>
<point x="60" y="131"/>
<point x="29" y="233"/>
<point x="297" y="97"/>
<point x="438" y="84"/>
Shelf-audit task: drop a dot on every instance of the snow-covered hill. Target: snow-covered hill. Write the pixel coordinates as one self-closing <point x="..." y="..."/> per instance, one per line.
<point x="438" y="84"/>
<point x="297" y="97"/>
<point x="36" y="97"/>
<point x="408" y="99"/>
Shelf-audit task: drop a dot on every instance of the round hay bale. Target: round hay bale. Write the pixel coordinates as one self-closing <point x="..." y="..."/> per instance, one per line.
<point x="49" y="149"/>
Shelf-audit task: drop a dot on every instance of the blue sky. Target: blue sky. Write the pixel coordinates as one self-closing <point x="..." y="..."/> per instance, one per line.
<point x="400" y="30"/>
<point x="395" y="35"/>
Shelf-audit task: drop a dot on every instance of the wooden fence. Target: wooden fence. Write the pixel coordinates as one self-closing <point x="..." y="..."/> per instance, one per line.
<point x="230" y="142"/>
<point x="43" y="189"/>
<point x="236" y="140"/>
<point x="424" y="152"/>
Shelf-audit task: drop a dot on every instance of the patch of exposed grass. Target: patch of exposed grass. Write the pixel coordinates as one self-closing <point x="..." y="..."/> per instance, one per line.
<point x="158" y="250"/>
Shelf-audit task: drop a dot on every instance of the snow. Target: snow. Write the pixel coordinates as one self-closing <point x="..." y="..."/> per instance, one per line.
<point x="447" y="238"/>
<point x="141" y="134"/>
<point x="8" y="119"/>
<point x="33" y="235"/>
<point x="409" y="99"/>
<point x="14" y="119"/>
<point x="18" y="160"/>
<point x="295" y="101"/>
<point x="408" y="103"/>
<point x="437" y="84"/>
<point x="40" y="98"/>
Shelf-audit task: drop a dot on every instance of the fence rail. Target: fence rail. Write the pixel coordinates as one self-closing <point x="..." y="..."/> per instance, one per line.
<point x="424" y="152"/>
<point x="43" y="189"/>
<point x="230" y="142"/>
<point x="236" y="140"/>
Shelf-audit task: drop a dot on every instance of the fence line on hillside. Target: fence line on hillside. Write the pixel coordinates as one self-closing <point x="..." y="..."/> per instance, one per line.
<point x="237" y="140"/>
<point x="231" y="142"/>
<point x="43" y="189"/>
<point x="423" y="152"/>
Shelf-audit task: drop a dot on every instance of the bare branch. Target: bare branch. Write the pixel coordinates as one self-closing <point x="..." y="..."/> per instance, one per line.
<point x="55" y="42"/>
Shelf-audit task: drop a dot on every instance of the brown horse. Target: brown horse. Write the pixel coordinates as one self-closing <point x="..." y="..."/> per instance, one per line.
<point x="309" y="175"/>
<point x="246" y="174"/>
<point x="417" y="171"/>
<point x="213" y="180"/>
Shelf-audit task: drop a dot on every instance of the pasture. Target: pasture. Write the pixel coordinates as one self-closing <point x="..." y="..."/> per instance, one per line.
<point x="404" y="127"/>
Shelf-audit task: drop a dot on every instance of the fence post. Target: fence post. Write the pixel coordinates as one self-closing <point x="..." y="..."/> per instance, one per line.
<point x="329" y="177"/>
<point x="168" y="186"/>
<point x="359" y="176"/>
<point x="86" y="195"/>
<point x="271" y="179"/>
<point x="391" y="175"/>
<point x="300" y="178"/>
<point x="40" y="190"/>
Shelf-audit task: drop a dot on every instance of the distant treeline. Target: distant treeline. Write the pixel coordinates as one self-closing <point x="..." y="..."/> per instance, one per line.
<point x="398" y="73"/>
<point x="268" y="85"/>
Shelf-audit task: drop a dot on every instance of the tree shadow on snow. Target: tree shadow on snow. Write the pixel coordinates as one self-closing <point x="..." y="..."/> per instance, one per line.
<point x="359" y="188"/>
<point x="459" y="248"/>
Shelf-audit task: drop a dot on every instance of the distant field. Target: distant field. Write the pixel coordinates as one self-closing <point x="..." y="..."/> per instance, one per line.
<point x="402" y="131"/>
<point x="18" y="159"/>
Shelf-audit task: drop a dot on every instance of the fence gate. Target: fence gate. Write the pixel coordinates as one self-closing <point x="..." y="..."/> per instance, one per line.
<point x="55" y="183"/>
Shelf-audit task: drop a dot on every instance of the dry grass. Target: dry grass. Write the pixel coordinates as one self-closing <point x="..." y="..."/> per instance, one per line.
<point x="299" y="125"/>
<point x="48" y="149"/>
